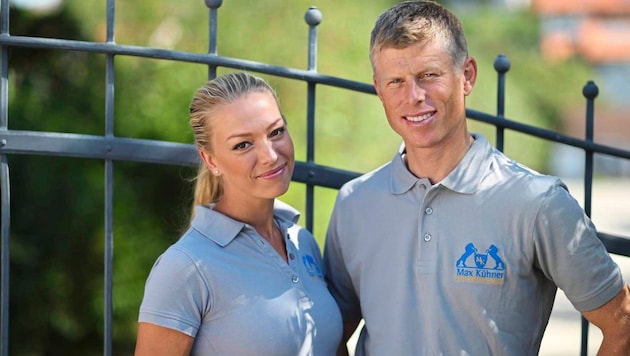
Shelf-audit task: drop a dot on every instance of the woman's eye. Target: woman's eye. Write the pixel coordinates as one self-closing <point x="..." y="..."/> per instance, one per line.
<point x="241" y="146"/>
<point x="277" y="131"/>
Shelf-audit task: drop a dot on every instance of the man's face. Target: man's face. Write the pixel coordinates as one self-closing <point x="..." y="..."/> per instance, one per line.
<point x="423" y="94"/>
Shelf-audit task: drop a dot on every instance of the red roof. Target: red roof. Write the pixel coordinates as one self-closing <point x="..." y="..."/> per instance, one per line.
<point x="557" y="7"/>
<point x="601" y="35"/>
<point x="598" y="41"/>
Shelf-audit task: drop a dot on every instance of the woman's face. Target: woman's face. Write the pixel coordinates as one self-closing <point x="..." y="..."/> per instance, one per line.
<point x="251" y="148"/>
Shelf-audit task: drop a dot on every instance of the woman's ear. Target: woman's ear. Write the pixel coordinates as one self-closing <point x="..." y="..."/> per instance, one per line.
<point x="208" y="161"/>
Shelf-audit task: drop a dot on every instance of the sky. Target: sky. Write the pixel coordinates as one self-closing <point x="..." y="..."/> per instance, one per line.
<point x="36" y="4"/>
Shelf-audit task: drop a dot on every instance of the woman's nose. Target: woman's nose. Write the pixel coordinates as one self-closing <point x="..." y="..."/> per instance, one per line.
<point x="267" y="152"/>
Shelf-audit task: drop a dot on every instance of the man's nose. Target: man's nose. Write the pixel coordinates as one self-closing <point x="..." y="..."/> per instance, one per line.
<point x="415" y="92"/>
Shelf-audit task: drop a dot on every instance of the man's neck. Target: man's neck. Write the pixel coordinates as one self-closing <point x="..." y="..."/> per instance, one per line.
<point x="436" y="163"/>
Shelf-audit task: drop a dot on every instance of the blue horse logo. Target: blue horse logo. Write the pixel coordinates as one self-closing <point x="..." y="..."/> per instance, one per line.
<point x="312" y="268"/>
<point x="481" y="259"/>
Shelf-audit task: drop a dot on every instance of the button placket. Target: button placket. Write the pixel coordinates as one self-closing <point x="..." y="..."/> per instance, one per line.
<point x="287" y="267"/>
<point x="292" y="267"/>
<point x="427" y="232"/>
<point x="427" y="236"/>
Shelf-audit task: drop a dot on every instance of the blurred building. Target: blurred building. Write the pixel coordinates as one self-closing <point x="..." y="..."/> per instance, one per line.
<point x="597" y="31"/>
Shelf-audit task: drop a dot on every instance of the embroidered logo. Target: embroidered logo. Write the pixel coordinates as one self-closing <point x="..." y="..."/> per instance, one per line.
<point x="312" y="268"/>
<point x="480" y="270"/>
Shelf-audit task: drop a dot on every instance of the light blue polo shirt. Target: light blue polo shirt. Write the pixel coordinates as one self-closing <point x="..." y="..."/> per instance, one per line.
<point x="223" y="284"/>
<point x="467" y="266"/>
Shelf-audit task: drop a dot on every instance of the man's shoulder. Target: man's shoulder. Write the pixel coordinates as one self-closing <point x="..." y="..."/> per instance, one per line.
<point x="511" y="174"/>
<point x="377" y="179"/>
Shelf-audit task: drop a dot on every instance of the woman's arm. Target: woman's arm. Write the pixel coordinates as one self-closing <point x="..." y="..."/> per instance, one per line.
<point x="155" y="340"/>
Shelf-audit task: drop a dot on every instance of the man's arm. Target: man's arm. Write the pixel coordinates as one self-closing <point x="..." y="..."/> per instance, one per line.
<point x="348" y="329"/>
<point x="613" y="319"/>
<point x="156" y="340"/>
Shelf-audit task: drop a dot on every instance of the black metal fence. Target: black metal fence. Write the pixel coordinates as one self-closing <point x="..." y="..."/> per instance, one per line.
<point x="111" y="149"/>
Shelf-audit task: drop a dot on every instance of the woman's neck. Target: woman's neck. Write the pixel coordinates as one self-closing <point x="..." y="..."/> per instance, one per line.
<point x="258" y="214"/>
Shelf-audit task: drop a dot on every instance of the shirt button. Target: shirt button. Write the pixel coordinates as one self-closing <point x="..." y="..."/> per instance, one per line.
<point x="428" y="211"/>
<point x="427" y="237"/>
<point x="423" y="187"/>
<point x="295" y="279"/>
<point x="291" y="256"/>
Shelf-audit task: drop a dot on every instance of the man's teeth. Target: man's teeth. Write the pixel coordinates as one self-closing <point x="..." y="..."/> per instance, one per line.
<point x="418" y="118"/>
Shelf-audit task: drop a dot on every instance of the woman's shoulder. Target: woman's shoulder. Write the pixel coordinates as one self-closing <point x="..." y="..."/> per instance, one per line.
<point x="285" y="211"/>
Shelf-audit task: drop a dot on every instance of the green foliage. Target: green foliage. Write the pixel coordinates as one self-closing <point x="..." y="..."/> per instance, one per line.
<point x="57" y="203"/>
<point x="538" y="92"/>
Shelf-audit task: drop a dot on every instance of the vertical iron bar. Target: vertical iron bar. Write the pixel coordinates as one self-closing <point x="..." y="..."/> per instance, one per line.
<point x="5" y="192"/>
<point x="6" y="218"/>
<point x="212" y="33"/>
<point x="109" y="188"/>
<point x="313" y="17"/>
<point x="590" y="92"/>
<point x="501" y="65"/>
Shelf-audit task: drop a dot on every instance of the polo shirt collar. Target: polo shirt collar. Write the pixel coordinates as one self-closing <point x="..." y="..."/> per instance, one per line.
<point x="222" y="229"/>
<point x="465" y="178"/>
<point x="402" y="180"/>
<point x="469" y="172"/>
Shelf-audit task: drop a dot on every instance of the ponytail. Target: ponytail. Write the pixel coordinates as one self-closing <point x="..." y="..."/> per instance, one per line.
<point x="208" y="188"/>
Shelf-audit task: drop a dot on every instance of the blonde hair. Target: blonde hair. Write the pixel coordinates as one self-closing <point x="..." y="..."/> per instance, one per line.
<point x="220" y="91"/>
<point x="412" y="22"/>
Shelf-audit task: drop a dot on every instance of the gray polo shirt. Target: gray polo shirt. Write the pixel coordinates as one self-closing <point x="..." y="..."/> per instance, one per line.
<point x="223" y="284"/>
<point x="468" y="266"/>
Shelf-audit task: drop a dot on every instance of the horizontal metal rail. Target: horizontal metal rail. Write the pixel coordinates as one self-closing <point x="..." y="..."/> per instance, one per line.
<point x="180" y="56"/>
<point x="548" y="135"/>
<point x="141" y="150"/>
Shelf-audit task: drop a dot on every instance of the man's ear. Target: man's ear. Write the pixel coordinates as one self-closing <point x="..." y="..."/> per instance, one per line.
<point x="470" y="75"/>
<point x="375" y="83"/>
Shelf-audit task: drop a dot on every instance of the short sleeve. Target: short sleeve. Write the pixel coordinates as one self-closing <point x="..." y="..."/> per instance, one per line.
<point x="338" y="279"/>
<point x="175" y="295"/>
<point x="570" y="253"/>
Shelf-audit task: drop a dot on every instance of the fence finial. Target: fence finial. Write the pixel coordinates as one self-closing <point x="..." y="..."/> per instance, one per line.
<point x="214" y="4"/>
<point x="501" y="63"/>
<point x="313" y="16"/>
<point x="590" y="90"/>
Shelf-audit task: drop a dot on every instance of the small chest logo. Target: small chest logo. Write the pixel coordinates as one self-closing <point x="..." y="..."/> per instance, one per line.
<point x="480" y="267"/>
<point x="312" y="268"/>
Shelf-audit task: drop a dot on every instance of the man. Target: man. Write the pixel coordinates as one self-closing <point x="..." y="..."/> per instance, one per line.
<point x="452" y="248"/>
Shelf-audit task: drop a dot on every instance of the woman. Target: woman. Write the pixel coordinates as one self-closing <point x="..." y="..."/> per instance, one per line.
<point x="244" y="279"/>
